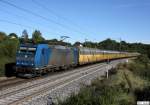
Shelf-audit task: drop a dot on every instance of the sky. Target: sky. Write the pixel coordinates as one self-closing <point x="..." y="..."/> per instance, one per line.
<point x="92" y="20"/>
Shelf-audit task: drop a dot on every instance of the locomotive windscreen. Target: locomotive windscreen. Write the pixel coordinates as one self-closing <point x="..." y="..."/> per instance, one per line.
<point x="27" y="49"/>
<point x="25" y="56"/>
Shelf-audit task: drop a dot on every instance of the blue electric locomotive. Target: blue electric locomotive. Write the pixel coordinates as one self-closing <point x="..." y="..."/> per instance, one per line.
<point x="34" y="60"/>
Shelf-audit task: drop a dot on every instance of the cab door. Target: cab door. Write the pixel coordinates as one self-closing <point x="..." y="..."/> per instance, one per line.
<point x="45" y="56"/>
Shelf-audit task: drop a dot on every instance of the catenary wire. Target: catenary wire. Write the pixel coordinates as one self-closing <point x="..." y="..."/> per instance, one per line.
<point x="35" y="14"/>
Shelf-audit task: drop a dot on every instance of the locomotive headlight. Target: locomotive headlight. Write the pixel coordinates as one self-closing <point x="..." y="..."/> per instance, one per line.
<point x="25" y="56"/>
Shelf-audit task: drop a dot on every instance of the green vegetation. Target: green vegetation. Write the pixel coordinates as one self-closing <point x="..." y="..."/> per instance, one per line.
<point x="37" y="37"/>
<point x="8" y="48"/>
<point x="2" y="36"/>
<point x="140" y="67"/>
<point x="109" y="44"/>
<point x="130" y="83"/>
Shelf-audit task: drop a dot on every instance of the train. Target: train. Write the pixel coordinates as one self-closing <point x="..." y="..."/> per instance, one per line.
<point x="36" y="60"/>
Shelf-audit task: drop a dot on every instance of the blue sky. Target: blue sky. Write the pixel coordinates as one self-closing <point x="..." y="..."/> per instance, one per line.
<point x="94" y="20"/>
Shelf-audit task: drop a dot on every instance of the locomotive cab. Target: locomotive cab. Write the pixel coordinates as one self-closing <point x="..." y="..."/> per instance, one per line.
<point x="30" y="59"/>
<point x="25" y="56"/>
<point x="25" y="60"/>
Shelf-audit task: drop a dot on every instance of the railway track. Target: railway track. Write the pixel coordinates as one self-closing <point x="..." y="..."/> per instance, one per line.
<point x="9" y="97"/>
<point x="10" y="82"/>
<point x="14" y="82"/>
<point x="5" y="80"/>
<point x="26" y="91"/>
<point x="41" y="82"/>
<point x="31" y="82"/>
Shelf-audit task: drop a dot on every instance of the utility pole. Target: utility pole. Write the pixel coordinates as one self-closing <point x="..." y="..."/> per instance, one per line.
<point x="86" y="41"/>
<point x="95" y="44"/>
<point x="108" y="67"/>
<point x="120" y="44"/>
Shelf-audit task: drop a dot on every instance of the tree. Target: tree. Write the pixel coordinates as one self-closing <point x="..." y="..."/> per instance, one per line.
<point x="25" y="36"/>
<point x="13" y="35"/>
<point x="3" y="36"/>
<point x="90" y="44"/>
<point x="52" y="41"/>
<point x="76" y="44"/>
<point x="9" y="47"/>
<point x="37" y="37"/>
<point x="109" y="44"/>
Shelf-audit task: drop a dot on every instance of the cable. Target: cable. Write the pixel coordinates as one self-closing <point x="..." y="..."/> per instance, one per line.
<point x="18" y="24"/>
<point x="7" y="21"/>
<point x="56" y="14"/>
<point x="26" y="19"/>
<point x="35" y="14"/>
<point x="52" y="12"/>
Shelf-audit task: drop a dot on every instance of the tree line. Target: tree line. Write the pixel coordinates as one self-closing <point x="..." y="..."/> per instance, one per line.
<point x="110" y="44"/>
<point x="37" y="37"/>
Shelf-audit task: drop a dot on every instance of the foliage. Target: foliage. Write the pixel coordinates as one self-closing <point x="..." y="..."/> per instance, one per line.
<point x="37" y="37"/>
<point x="57" y="42"/>
<point x="24" y="37"/>
<point x="140" y="67"/>
<point x="8" y="48"/>
<point x="3" y="36"/>
<point x="77" y="44"/>
<point x="99" y="93"/>
<point x="144" y="60"/>
<point x="12" y="35"/>
<point x="90" y="44"/>
<point x="110" y="44"/>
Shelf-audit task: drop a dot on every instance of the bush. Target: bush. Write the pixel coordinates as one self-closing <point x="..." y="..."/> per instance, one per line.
<point x="113" y="71"/>
<point x="101" y="92"/>
<point x="8" y="50"/>
<point x="9" y="47"/>
<point x="140" y="70"/>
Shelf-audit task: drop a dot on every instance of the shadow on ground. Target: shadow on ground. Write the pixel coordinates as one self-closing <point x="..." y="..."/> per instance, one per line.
<point x="143" y="95"/>
<point x="10" y="69"/>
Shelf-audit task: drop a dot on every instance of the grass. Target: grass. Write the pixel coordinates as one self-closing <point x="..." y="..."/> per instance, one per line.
<point x="140" y="70"/>
<point x="127" y="84"/>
